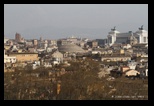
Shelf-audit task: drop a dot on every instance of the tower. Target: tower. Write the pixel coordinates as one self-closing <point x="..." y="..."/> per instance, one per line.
<point x="142" y="35"/>
<point x="112" y="36"/>
<point x="17" y="37"/>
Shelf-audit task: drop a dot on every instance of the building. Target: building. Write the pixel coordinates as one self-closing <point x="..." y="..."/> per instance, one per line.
<point x="140" y="46"/>
<point x="29" y="43"/>
<point x="115" y="58"/>
<point x="31" y="49"/>
<point x="10" y="42"/>
<point x="70" y="48"/>
<point x="92" y="44"/>
<point x="23" y="57"/>
<point x="126" y="46"/>
<point x="35" y="42"/>
<point x="42" y="45"/>
<point x="132" y="72"/>
<point x="5" y="40"/>
<point x="13" y="48"/>
<point x="115" y="36"/>
<point x="57" y="56"/>
<point x="132" y="65"/>
<point x="9" y="59"/>
<point x="52" y="42"/>
<point x="101" y="42"/>
<point x="17" y="37"/>
<point x="63" y="42"/>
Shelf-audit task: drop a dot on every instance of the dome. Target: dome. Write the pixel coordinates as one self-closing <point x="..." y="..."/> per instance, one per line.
<point x="70" y="48"/>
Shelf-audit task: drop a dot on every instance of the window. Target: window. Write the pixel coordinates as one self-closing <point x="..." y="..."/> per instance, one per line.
<point x="144" y="39"/>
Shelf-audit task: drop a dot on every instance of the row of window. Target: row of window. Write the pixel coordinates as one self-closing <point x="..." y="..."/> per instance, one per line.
<point x="117" y="59"/>
<point x="27" y="55"/>
<point x="10" y="59"/>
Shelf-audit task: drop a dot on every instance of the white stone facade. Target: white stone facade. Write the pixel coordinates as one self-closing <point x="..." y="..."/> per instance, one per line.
<point x="115" y="36"/>
<point x="8" y="59"/>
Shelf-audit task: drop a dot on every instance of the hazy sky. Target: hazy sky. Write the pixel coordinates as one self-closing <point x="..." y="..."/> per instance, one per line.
<point x="53" y="21"/>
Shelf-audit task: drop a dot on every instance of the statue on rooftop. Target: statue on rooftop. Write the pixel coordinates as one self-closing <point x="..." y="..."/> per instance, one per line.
<point x="141" y="28"/>
<point x="113" y="28"/>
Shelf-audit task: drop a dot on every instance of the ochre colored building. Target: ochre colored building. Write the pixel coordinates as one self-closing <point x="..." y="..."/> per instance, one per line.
<point x="23" y="57"/>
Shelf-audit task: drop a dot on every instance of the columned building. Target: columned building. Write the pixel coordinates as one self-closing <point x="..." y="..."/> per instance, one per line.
<point x="140" y="36"/>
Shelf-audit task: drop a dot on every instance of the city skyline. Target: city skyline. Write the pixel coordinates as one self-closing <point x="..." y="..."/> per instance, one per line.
<point x="53" y="21"/>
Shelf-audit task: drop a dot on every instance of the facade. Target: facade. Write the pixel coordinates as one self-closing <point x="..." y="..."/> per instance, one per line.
<point x="101" y="42"/>
<point x="35" y="42"/>
<point x="92" y="44"/>
<point x="42" y="45"/>
<point x="140" y="36"/>
<point x="13" y="48"/>
<point x="29" y="43"/>
<point x="58" y="56"/>
<point x="17" y="37"/>
<point x="126" y="46"/>
<point x="31" y="49"/>
<point x="73" y="39"/>
<point x="9" y="42"/>
<point x="23" y="57"/>
<point x="52" y="42"/>
<point x="9" y="59"/>
<point x="63" y="42"/>
<point x="81" y="44"/>
<point x="115" y="58"/>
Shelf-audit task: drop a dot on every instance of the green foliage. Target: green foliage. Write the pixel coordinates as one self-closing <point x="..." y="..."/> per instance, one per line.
<point x="81" y="82"/>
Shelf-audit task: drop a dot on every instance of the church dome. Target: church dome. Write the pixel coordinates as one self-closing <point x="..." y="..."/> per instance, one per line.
<point x="70" y="48"/>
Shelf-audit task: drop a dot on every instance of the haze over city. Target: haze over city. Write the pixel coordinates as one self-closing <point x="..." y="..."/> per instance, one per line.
<point x="54" y="21"/>
<point x="75" y="52"/>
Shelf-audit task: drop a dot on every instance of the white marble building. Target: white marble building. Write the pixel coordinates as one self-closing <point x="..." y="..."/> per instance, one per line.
<point x="115" y="36"/>
<point x="9" y="59"/>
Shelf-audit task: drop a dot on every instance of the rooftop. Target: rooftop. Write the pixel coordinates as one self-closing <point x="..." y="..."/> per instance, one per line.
<point x="70" y="48"/>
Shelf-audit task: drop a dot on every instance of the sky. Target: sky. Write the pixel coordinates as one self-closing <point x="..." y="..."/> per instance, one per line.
<point x="54" y="21"/>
